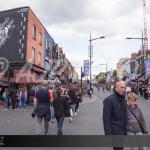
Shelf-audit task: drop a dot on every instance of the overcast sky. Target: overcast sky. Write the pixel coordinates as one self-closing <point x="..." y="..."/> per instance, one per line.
<point x="70" y="22"/>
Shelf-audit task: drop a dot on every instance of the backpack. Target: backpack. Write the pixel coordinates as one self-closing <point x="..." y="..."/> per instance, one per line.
<point x="23" y="96"/>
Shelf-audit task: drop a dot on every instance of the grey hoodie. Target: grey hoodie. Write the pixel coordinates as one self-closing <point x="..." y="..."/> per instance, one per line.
<point x="133" y="125"/>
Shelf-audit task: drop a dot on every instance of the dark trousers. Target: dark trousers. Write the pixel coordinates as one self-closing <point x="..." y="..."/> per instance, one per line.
<point x="60" y="121"/>
<point x="13" y="103"/>
<point x="77" y="106"/>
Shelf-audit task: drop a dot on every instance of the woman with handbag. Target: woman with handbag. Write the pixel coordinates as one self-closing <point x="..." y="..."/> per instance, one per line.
<point x="136" y="124"/>
<point x="59" y="105"/>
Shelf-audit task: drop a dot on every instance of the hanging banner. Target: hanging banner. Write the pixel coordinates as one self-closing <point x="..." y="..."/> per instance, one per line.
<point x="86" y="67"/>
<point x="147" y="67"/>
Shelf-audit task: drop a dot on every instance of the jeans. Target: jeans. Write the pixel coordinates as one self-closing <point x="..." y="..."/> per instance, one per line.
<point x="31" y="100"/>
<point x="53" y="115"/>
<point x="39" y="125"/>
<point x="138" y="133"/>
<point x="60" y="121"/>
<point x="5" y="102"/>
<point x="23" y="103"/>
<point x="17" y="104"/>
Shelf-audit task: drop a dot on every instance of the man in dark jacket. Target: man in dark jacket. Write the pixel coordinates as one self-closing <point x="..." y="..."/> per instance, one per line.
<point x="42" y="110"/>
<point x="115" y="112"/>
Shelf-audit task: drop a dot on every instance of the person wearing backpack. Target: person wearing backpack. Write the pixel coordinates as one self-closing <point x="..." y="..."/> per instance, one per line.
<point x="23" y="97"/>
<point x="5" y="97"/>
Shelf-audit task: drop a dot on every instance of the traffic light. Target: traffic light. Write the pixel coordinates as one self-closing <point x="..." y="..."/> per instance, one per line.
<point x="82" y="74"/>
<point x="11" y="73"/>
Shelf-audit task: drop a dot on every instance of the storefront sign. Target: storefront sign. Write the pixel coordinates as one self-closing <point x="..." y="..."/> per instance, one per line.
<point x="147" y="67"/>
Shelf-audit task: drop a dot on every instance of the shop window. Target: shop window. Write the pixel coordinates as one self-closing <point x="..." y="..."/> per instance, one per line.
<point x="39" y="58"/>
<point x="40" y="38"/>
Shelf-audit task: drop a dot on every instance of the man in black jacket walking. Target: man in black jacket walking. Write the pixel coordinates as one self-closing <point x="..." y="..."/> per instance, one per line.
<point x="115" y="112"/>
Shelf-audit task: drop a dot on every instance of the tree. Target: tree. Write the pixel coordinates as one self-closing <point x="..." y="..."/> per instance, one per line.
<point x="115" y="73"/>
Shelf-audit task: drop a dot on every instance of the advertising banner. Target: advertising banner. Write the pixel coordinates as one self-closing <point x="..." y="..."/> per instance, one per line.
<point x="147" y="67"/>
<point x="86" y="67"/>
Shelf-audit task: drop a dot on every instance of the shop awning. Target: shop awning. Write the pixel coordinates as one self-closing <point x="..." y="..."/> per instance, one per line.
<point x="142" y="78"/>
<point x="23" y="77"/>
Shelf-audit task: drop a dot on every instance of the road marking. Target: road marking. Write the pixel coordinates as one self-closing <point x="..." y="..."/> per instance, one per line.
<point x="15" y="119"/>
<point x="27" y="115"/>
<point x="8" y="121"/>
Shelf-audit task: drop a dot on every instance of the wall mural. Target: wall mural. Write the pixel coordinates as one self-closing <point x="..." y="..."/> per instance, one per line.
<point x="6" y="29"/>
<point x="13" y="34"/>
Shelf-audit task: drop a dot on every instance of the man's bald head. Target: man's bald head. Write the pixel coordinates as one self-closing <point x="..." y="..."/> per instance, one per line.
<point x="121" y="87"/>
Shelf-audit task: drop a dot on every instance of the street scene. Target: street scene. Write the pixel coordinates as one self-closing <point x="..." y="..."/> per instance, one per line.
<point x="75" y="68"/>
<point x="87" y="122"/>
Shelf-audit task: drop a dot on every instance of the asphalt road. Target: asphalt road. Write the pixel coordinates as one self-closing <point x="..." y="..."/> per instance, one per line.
<point x="87" y="122"/>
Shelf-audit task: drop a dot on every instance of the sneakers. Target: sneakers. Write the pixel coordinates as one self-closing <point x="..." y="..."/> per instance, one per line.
<point x="25" y="109"/>
<point x="21" y="109"/>
<point x="71" y="120"/>
<point x="53" y="121"/>
<point x="75" y="113"/>
<point x="15" y="109"/>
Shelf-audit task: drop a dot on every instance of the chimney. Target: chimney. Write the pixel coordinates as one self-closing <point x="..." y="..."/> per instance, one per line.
<point x="134" y="55"/>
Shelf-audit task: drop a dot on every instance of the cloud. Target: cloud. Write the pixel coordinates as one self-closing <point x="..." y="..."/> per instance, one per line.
<point x="70" y="23"/>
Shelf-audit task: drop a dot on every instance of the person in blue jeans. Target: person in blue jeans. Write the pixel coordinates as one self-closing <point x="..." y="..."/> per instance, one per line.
<point x="23" y="98"/>
<point x="59" y="105"/>
<point x="5" y="97"/>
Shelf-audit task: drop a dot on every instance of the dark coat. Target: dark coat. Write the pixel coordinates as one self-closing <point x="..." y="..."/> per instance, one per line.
<point x="42" y="110"/>
<point x="115" y="115"/>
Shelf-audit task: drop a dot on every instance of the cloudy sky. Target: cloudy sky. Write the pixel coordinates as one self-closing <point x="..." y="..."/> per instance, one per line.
<point x="70" y="22"/>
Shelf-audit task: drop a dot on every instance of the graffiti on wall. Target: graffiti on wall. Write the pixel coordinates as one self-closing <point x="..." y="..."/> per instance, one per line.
<point x="6" y="29"/>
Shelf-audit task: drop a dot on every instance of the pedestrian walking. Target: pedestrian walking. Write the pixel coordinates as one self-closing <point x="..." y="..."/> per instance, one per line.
<point x="78" y="99"/>
<point x="136" y="123"/>
<point x="23" y="97"/>
<point x="31" y="95"/>
<point x="17" y="100"/>
<point x="59" y="105"/>
<point x="71" y="100"/>
<point x="12" y="97"/>
<point x="128" y="90"/>
<point x="115" y="112"/>
<point x="5" y="97"/>
<point x="42" y="110"/>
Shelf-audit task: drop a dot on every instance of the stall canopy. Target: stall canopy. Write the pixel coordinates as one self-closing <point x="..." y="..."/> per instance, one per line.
<point x="142" y="78"/>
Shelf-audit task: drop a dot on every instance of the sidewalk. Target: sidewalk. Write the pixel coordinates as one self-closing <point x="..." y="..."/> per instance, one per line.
<point x="87" y="99"/>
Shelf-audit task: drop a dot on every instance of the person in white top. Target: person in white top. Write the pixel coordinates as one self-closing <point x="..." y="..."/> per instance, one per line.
<point x="112" y="88"/>
<point x="128" y="90"/>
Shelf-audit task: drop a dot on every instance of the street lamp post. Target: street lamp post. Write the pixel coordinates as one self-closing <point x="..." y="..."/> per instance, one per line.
<point x="91" y="56"/>
<point x="143" y="54"/>
<point x="106" y="68"/>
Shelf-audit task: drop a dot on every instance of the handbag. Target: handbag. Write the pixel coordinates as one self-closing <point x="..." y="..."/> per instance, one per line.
<point x="142" y="129"/>
<point x="67" y="112"/>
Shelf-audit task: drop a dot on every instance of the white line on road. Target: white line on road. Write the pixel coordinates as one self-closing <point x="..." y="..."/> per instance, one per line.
<point x="8" y="121"/>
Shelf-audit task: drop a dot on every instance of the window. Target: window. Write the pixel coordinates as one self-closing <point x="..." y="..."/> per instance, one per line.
<point x="34" y="32"/>
<point x="40" y="38"/>
<point x="47" y="44"/>
<point x="33" y="54"/>
<point x="39" y="58"/>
